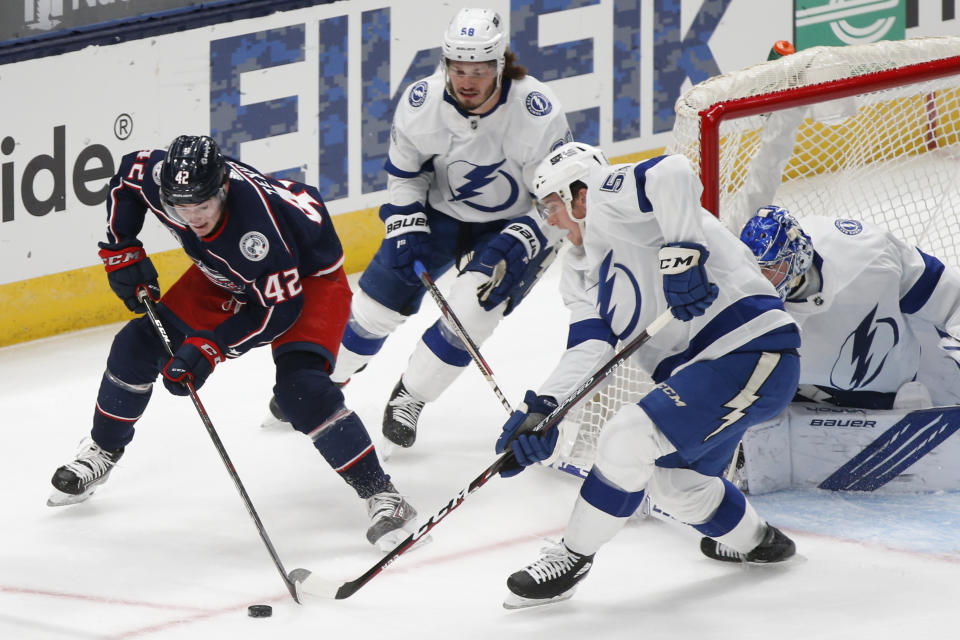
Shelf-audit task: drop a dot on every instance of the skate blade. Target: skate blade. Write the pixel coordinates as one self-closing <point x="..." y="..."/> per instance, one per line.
<point x="512" y="601"/>
<point x="60" y="499"/>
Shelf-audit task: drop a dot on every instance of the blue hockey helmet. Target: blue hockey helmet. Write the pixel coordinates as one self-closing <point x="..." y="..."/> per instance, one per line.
<point x="783" y="251"/>
<point x="193" y="172"/>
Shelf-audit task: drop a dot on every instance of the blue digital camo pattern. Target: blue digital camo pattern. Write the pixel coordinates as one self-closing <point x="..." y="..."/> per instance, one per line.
<point x="231" y="122"/>
<point x="332" y="119"/>
<point x="563" y="60"/>
<point x="675" y="59"/>
<point x="378" y="102"/>
<point x="626" y="69"/>
<point x="678" y="55"/>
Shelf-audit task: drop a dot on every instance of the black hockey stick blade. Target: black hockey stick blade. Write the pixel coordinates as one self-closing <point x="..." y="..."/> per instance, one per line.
<point x="310" y="584"/>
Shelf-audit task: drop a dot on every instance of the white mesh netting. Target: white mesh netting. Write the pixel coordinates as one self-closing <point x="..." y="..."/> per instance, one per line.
<point x="890" y="156"/>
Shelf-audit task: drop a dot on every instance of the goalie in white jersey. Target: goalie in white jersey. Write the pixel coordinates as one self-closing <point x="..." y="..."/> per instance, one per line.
<point x="728" y="361"/>
<point x="464" y="144"/>
<point x="877" y="314"/>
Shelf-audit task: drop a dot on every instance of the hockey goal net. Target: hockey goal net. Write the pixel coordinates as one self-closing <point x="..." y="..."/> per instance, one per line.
<point x="870" y="132"/>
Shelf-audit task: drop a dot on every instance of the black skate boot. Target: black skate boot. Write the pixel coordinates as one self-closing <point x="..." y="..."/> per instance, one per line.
<point x="553" y="577"/>
<point x="389" y="513"/>
<point x="775" y="547"/>
<point x="401" y="415"/>
<point x="275" y="417"/>
<point x="75" y="481"/>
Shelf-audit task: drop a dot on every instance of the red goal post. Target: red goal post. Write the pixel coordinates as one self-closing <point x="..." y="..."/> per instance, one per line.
<point x="867" y="131"/>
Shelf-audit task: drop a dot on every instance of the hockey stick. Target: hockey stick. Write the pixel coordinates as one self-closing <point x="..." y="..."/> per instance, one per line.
<point x="288" y="580"/>
<point x="465" y="338"/>
<point x="314" y="585"/>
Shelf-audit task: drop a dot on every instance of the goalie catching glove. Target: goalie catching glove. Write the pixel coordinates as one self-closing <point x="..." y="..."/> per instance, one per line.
<point x="194" y="360"/>
<point x="505" y="259"/>
<point x="685" y="284"/>
<point x="528" y="447"/>
<point x="129" y="269"/>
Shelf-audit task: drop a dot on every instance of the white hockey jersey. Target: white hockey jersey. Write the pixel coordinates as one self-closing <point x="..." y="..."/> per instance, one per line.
<point x="474" y="168"/>
<point x="871" y="327"/>
<point x="614" y="281"/>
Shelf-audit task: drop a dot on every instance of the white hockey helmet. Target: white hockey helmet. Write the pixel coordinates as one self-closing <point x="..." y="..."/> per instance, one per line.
<point x="476" y="35"/>
<point x="564" y="166"/>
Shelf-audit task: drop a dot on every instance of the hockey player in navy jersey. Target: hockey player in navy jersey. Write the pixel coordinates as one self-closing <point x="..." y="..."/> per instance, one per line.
<point x="727" y="361"/>
<point x="463" y="147"/>
<point x="267" y="270"/>
<point x="878" y="315"/>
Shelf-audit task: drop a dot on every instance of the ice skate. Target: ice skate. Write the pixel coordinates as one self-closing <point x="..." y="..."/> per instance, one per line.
<point x="392" y="518"/>
<point x="553" y="577"/>
<point x="76" y="481"/>
<point x="275" y="417"/>
<point x="401" y="415"/>
<point x="775" y="547"/>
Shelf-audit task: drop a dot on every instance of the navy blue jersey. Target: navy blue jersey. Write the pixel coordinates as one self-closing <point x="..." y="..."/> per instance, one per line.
<point x="273" y="234"/>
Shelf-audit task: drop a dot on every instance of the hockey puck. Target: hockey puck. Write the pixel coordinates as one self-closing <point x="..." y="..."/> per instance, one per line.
<point x="259" y="611"/>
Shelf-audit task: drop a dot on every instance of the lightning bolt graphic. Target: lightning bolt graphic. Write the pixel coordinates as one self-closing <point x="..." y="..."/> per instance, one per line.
<point x="748" y="395"/>
<point x="477" y="179"/>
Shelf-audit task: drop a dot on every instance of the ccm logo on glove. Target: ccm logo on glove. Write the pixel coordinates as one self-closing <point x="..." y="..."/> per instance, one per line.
<point x="118" y="260"/>
<point x="678" y="259"/>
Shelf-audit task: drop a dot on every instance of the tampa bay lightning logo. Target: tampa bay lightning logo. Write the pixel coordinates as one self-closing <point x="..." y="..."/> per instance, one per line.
<point x="538" y="104"/>
<point x="486" y="188"/>
<point x="864" y="352"/>
<point x="849" y="227"/>
<point x="618" y="283"/>
<point x="418" y="93"/>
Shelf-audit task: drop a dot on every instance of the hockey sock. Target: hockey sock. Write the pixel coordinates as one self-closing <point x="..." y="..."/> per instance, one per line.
<point x="599" y="513"/>
<point x="305" y="391"/>
<point x="344" y="443"/>
<point x="735" y="523"/>
<point x="119" y="406"/>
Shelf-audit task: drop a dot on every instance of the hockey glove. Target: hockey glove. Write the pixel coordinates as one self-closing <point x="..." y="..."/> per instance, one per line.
<point x="505" y="259"/>
<point x="128" y="269"/>
<point x="193" y="361"/>
<point x="528" y="447"/>
<point x="406" y="240"/>
<point x="685" y="284"/>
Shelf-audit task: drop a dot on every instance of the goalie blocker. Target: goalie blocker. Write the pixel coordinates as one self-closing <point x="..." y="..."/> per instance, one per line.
<point x="837" y="448"/>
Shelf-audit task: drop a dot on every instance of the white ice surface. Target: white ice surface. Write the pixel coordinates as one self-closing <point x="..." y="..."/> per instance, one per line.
<point x="165" y="549"/>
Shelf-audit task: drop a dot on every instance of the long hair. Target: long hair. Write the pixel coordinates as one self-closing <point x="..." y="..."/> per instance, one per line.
<point x="511" y="69"/>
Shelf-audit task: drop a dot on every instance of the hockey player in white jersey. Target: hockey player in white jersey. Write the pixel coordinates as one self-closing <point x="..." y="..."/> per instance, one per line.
<point x="877" y="314"/>
<point x="728" y="361"/>
<point x="464" y="144"/>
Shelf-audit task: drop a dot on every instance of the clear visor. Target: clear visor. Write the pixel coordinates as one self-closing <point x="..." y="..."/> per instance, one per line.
<point x="196" y="214"/>
<point x="479" y="70"/>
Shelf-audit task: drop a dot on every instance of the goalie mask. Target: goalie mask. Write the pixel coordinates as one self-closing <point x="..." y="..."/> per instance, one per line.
<point x="559" y="171"/>
<point x="475" y="35"/>
<point x="783" y="251"/>
<point x="193" y="172"/>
